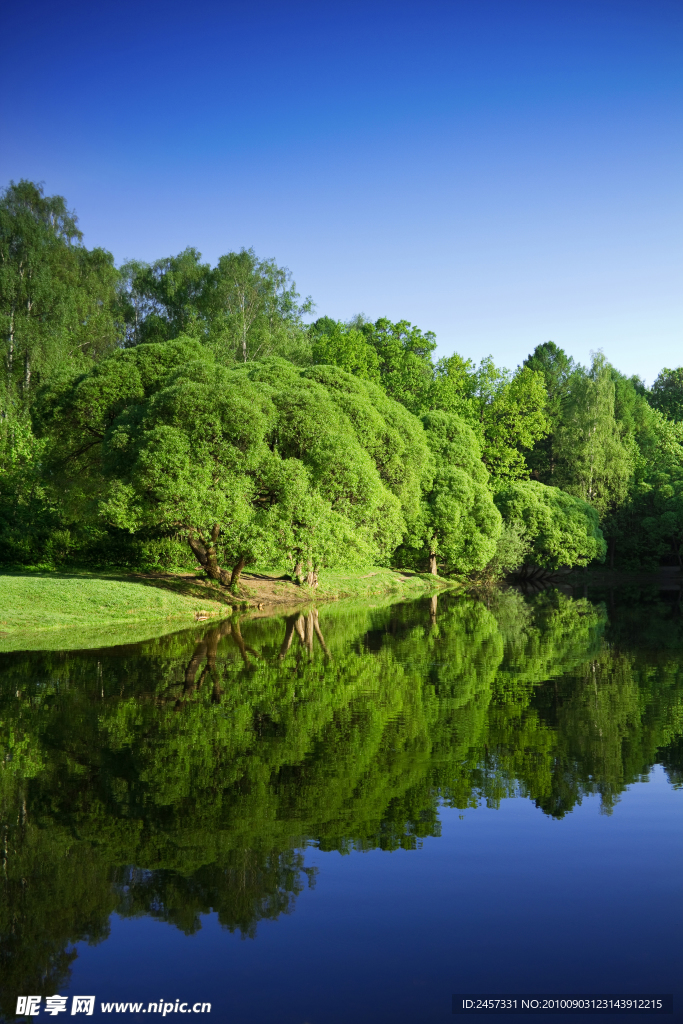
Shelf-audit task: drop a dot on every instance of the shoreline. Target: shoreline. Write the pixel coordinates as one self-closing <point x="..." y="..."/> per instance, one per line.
<point x="39" y="608"/>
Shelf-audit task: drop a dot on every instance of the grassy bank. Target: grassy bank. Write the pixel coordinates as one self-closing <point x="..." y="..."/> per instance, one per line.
<point x="334" y="585"/>
<point x="46" y="607"/>
<point x="63" y="610"/>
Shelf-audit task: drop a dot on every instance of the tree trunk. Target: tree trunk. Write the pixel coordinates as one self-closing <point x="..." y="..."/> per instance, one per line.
<point x="677" y="549"/>
<point x="244" y="326"/>
<point x="432" y="564"/>
<point x="237" y="637"/>
<point x="10" y="357"/>
<point x="289" y="634"/>
<point x="205" y="553"/>
<point x="237" y="572"/>
<point x="299" y="573"/>
<point x="309" y="632"/>
<point x="318" y="633"/>
<point x="193" y="666"/>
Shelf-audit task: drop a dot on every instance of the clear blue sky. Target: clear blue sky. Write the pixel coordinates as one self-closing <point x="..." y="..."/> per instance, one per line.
<point x="501" y="172"/>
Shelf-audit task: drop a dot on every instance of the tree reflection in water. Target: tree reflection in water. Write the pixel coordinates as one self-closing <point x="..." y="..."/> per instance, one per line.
<point x="187" y="774"/>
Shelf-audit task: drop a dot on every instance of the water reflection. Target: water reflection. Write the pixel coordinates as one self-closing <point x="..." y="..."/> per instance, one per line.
<point x="188" y="773"/>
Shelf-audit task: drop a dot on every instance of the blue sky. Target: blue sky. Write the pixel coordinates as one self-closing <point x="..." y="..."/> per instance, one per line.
<point x="501" y="172"/>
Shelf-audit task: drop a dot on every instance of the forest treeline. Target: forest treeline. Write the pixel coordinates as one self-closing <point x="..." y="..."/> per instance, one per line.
<point x="181" y="413"/>
<point x="188" y="773"/>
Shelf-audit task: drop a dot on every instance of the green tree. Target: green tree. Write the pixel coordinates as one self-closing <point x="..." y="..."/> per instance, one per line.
<point x="393" y="438"/>
<point x="667" y="393"/>
<point x="26" y="513"/>
<point x="461" y="524"/>
<point x="557" y="369"/>
<point x="261" y="462"/>
<point x="338" y="344"/>
<point x="560" y="529"/>
<point x="57" y="298"/>
<point x="595" y="456"/>
<point x="642" y="433"/>
<point x="405" y="364"/>
<point x="454" y="386"/>
<point x="649" y="523"/>
<point x="510" y="409"/>
<point x="255" y="309"/>
<point x="506" y="410"/>
<point x="162" y="300"/>
<point x="244" y="308"/>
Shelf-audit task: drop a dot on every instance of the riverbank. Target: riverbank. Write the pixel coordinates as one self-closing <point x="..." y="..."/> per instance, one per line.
<point x="44" y="608"/>
<point x="333" y="586"/>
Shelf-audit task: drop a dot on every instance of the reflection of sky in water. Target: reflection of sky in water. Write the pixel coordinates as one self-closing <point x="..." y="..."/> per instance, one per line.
<point x="495" y="747"/>
<point x="505" y="900"/>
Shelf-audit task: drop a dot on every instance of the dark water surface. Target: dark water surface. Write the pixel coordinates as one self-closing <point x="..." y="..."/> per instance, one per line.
<point x="350" y="814"/>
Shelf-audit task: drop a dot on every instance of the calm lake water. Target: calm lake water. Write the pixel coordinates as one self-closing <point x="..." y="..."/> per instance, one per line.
<point x="350" y="814"/>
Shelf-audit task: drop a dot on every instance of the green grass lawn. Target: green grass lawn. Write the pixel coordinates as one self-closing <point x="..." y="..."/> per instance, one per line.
<point x="38" y="605"/>
<point x="375" y="582"/>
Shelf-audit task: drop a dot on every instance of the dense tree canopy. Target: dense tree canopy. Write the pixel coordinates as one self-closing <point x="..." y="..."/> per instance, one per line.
<point x="338" y="344"/>
<point x="254" y="462"/>
<point x="667" y="393"/>
<point x="461" y="523"/>
<point x="559" y="528"/>
<point x="57" y="298"/>
<point x="179" y="399"/>
<point x="595" y="458"/>
<point x="557" y="369"/>
<point x="244" y="307"/>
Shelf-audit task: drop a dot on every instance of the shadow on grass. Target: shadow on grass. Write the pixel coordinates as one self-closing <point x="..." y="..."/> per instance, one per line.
<point x="184" y="585"/>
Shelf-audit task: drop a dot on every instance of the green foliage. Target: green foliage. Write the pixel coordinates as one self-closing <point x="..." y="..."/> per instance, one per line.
<point x="26" y="514"/>
<point x="506" y="410"/>
<point x="667" y="393"/>
<point x="160" y="301"/>
<point x="511" y="412"/>
<point x="244" y="308"/>
<point x="338" y="344"/>
<point x="512" y="550"/>
<point x="560" y="529"/>
<point x="595" y="456"/>
<point x="460" y="524"/>
<point x="255" y="310"/>
<point x="75" y="413"/>
<point x="71" y="321"/>
<point x="646" y="528"/>
<point x="405" y="366"/>
<point x="392" y="437"/>
<point x="603" y="441"/>
<point x="557" y="369"/>
<point x="274" y="462"/>
<point x="57" y="298"/>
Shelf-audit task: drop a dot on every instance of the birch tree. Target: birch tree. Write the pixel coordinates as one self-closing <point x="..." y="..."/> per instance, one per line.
<point x="56" y="297"/>
<point x="595" y="459"/>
